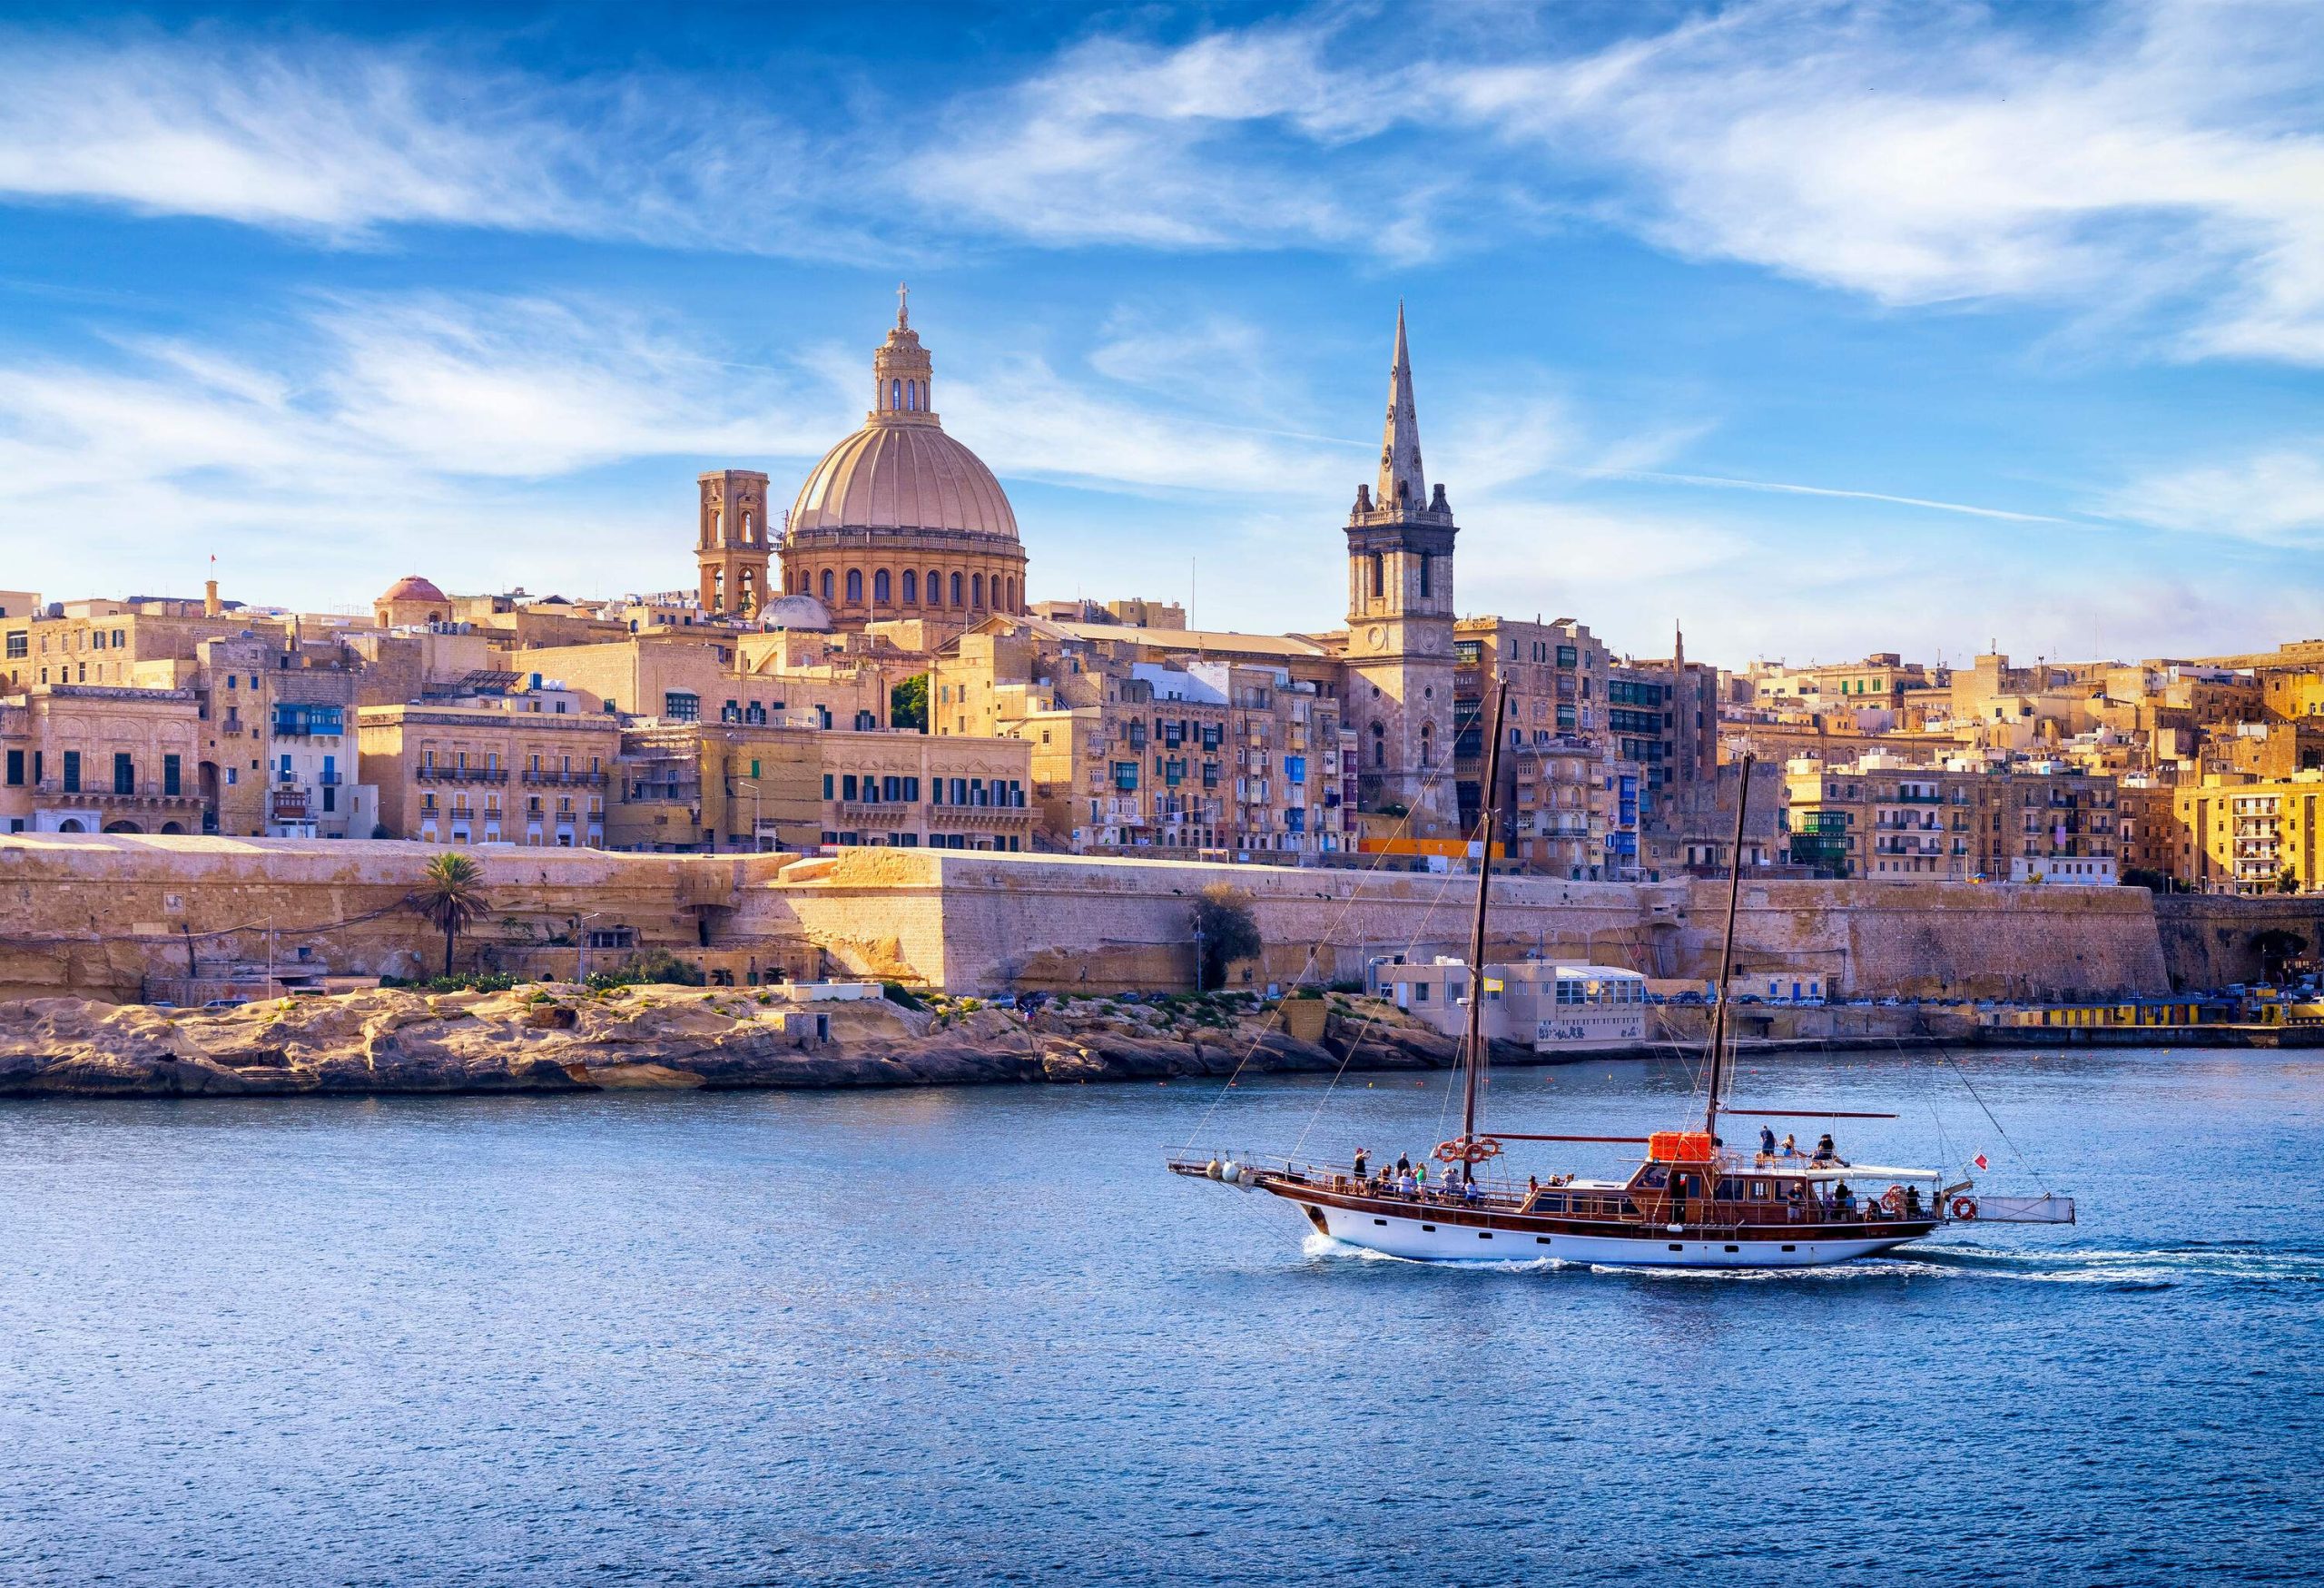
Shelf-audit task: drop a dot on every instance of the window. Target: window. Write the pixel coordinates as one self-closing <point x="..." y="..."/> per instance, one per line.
<point x="1379" y="575"/>
<point x="16" y="769"/>
<point x="71" y="772"/>
<point x="879" y="588"/>
<point x="827" y="583"/>
<point x="19" y="645"/>
<point x="1427" y="563"/>
<point x="912" y="588"/>
<point x="682" y="705"/>
<point x="976" y="591"/>
<point x="827" y="785"/>
<point x="956" y="589"/>
<point x="1126" y="775"/>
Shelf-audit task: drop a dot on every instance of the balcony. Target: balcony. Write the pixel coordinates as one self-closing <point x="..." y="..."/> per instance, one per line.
<point x="566" y="779"/>
<point x="461" y="774"/>
<point x="287" y="805"/>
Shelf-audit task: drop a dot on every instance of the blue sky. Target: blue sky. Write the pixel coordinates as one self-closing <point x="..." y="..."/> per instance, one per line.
<point x="1818" y="327"/>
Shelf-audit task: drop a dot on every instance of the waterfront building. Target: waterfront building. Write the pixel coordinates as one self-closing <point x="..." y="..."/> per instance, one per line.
<point x="478" y="773"/>
<point x="1160" y="738"/>
<point x="2249" y="835"/>
<point x="1885" y="820"/>
<point x="99" y="758"/>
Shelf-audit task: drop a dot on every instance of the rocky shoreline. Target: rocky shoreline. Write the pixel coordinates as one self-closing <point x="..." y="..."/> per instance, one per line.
<point x="559" y="1037"/>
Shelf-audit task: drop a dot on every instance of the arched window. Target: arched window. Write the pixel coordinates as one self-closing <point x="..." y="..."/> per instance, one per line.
<point x="956" y="589"/>
<point x="1427" y="744"/>
<point x="976" y="591"/>
<point x="747" y="529"/>
<point x="1379" y="575"/>
<point x="912" y="588"/>
<point x="935" y="589"/>
<point x="880" y="587"/>
<point x="827" y="583"/>
<point x="895" y="394"/>
<point x="1379" y="745"/>
<point x="1425" y="564"/>
<point x="855" y="587"/>
<point x="923" y="397"/>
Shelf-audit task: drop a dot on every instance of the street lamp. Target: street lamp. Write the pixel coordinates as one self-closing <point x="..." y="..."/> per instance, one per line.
<point x="758" y="844"/>
<point x="581" y="932"/>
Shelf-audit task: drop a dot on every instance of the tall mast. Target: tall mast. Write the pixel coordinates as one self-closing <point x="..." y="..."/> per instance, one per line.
<point x="1726" y="955"/>
<point x="1477" y="928"/>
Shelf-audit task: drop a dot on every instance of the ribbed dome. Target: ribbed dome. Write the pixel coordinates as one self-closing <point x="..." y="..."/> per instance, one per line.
<point x="902" y="472"/>
<point x="801" y="612"/>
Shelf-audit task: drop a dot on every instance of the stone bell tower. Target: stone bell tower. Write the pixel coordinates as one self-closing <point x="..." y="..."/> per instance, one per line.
<point x="731" y="545"/>
<point x="1400" y="626"/>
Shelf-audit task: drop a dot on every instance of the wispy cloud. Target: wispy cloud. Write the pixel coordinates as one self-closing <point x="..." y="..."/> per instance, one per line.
<point x="2270" y="497"/>
<point x="2163" y="157"/>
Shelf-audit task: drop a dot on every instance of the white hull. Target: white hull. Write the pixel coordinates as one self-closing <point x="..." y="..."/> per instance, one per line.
<point x="1420" y="1238"/>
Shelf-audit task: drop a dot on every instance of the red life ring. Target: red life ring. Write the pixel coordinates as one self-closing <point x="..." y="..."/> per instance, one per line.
<point x="1964" y="1207"/>
<point x="1476" y="1151"/>
<point x="1893" y="1201"/>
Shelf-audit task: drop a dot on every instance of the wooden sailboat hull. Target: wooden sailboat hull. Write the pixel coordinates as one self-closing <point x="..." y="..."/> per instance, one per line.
<point x="1448" y="1232"/>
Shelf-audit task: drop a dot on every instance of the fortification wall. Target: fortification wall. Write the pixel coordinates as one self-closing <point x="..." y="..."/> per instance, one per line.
<point x="2210" y="939"/>
<point x="97" y="915"/>
<point x="980" y="922"/>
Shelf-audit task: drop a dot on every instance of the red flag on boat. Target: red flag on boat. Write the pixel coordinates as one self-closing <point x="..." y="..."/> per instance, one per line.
<point x="1980" y="1161"/>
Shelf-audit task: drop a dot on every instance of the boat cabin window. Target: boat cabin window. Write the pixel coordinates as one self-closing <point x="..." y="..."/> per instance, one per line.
<point x="1548" y="1203"/>
<point x="1758" y="1190"/>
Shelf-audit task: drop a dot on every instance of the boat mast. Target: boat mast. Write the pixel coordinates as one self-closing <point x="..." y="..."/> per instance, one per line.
<point x="1726" y="953"/>
<point x="1476" y="1053"/>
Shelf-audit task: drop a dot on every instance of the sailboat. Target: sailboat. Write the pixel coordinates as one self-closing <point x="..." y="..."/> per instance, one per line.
<point x="1693" y="1202"/>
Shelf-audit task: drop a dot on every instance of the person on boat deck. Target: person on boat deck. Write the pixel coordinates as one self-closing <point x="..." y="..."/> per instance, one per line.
<point x="1827" y="1153"/>
<point x="1790" y="1146"/>
<point x="1912" y="1201"/>
<point x="1404" y="1164"/>
<point x="1420" y="1177"/>
<point x="1843" y="1198"/>
<point x="1404" y="1181"/>
<point x="1766" y="1143"/>
<point x="1532" y="1184"/>
<point x="1362" y="1156"/>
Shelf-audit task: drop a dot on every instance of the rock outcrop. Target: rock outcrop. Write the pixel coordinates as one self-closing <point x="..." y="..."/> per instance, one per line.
<point x="563" y="1038"/>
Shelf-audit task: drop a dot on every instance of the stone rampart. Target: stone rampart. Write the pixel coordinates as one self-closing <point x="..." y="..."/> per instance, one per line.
<point x="2214" y="939"/>
<point x="98" y="914"/>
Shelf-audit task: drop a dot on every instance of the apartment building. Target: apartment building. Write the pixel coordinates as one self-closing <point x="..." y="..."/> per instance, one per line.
<point x="2249" y="836"/>
<point x="484" y="774"/>
<point x="1885" y="821"/>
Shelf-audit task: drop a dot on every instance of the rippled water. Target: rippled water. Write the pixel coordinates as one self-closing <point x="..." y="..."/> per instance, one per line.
<point x="977" y="1335"/>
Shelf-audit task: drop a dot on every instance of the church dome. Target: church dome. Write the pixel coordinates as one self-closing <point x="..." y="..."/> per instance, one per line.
<point x="902" y="474"/>
<point x="901" y="471"/>
<point x="412" y="587"/>
<point x="801" y="612"/>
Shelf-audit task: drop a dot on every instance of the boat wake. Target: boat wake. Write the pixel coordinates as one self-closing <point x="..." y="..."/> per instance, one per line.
<point x="2157" y="1268"/>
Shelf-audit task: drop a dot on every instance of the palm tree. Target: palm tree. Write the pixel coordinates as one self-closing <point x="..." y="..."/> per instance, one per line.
<point x="451" y="894"/>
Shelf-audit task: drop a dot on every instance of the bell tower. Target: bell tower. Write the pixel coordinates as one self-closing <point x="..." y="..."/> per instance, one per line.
<point x="731" y="545"/>
<point x="1400" y="625"/>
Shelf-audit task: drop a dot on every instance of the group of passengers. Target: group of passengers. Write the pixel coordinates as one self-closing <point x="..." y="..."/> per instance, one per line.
<point x="1408" y="1178"/>
<point x="1825" y="1155"/>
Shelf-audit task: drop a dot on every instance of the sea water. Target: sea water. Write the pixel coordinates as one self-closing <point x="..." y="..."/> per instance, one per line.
<point x="979" y="1335"/>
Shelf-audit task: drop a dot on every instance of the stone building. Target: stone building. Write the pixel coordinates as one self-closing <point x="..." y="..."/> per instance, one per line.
<point x="481" y="775"/>
<point x="1160" y="739"/>
<point x="2249" y="835"/>
<point x="89" y="758"/>
<point x="1885" y="820"/>
<point x="412" y="602"/>
<point x="899" y="520"/>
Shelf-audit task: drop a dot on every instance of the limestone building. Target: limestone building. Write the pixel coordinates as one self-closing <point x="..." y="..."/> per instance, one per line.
<point x="897" y="521"/>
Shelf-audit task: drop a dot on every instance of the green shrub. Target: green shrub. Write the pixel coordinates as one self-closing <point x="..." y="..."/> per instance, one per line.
<point x="897" y="992"/>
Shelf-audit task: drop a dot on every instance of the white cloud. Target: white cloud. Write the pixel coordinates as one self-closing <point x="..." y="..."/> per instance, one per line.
<point x="2273" y="498"/>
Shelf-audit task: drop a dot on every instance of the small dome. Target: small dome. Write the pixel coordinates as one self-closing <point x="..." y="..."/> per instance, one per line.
<point x="801" y="612"/>
<point x="412" y="587"/>
<point x="892" y="475"/>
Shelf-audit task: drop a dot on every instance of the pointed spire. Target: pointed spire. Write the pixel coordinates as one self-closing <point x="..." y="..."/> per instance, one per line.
<point x="1401" y="482"/>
